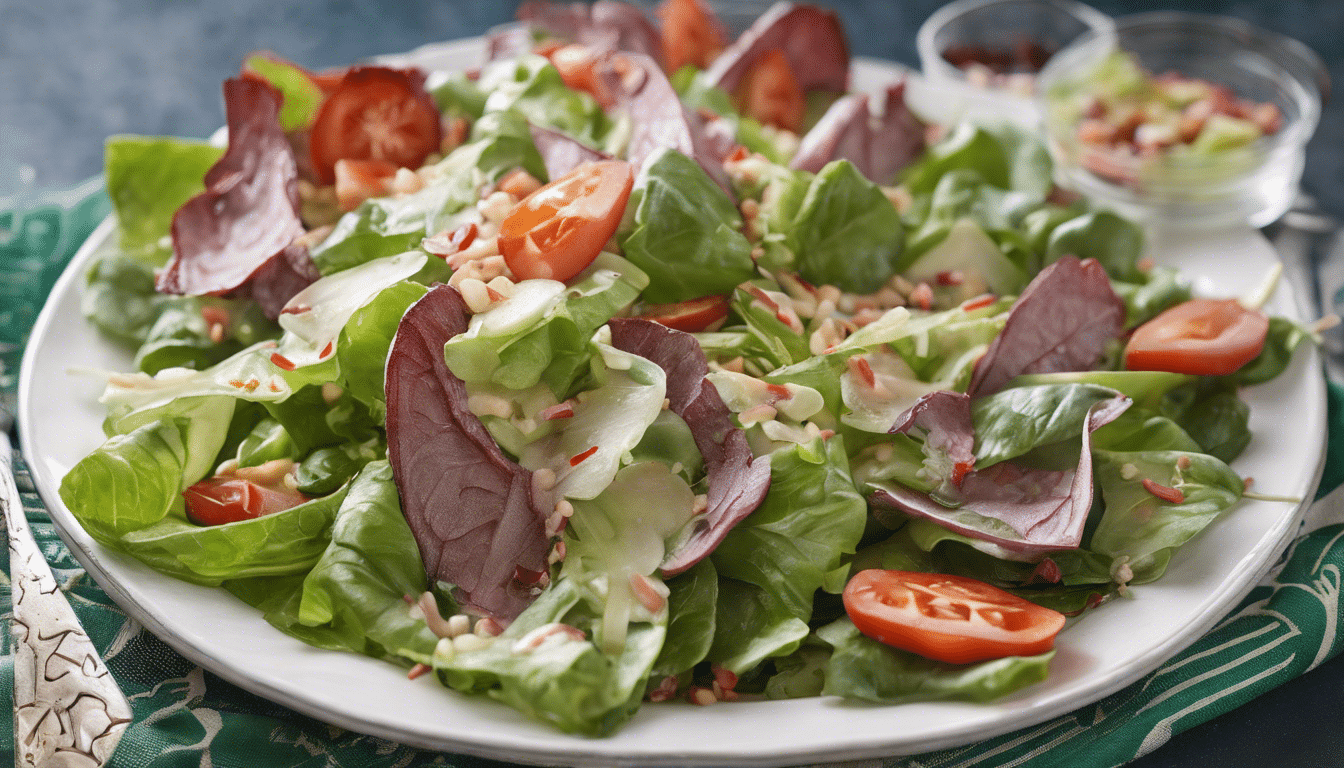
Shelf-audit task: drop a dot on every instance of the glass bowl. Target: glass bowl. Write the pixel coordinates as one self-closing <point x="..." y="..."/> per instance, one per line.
<point x="1000" y="44"/>
<point x="1142" y="154"/>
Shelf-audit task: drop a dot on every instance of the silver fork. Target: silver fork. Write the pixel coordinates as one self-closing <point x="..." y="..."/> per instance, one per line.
<point x="68" y="711"/>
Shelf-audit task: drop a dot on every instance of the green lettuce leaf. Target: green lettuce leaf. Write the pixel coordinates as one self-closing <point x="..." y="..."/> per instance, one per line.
<point x="846" y="232"/>
<point x="685" y="232"/>
<point x="148" y="179"/>
<point x="863" y="668"/>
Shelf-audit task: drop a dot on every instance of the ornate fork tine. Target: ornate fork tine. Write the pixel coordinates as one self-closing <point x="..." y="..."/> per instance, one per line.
<point x="68" y="711"/>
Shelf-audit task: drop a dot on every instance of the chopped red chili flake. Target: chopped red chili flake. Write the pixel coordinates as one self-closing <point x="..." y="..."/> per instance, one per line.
<point x="950" y="277"/>
<point x="252" y="384"/>
<point x="860" y="367"/>
<point x="326" y="350"/>
<point x="979" y="302"/>
<point x="281" y="362"/>
<point x="960" y="470"/>
<point x="778" y="392"/>
<point x="236" y="383"/>
<point x="418" y="670"/>
<point x="738" y="154"/>
<point x="1172" y="495"/>
<point x="558" y="411"/>
<point x="577" y="459"/>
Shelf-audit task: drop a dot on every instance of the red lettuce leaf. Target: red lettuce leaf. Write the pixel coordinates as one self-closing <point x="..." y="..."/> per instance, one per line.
<point x="234" y="239"/>
<point x="1046" y="509"/>
<point x="1061" y="322"/>
<point x="560" y="153"/>
<point x="949" y="434"/>
<point x="658" y="118"/>
<point x="737" y="481"/>
<point x="811" y="38"/>
<point x="469" y="506"/>
<point x="879" y="145"/>
<point x="605" y="26"/>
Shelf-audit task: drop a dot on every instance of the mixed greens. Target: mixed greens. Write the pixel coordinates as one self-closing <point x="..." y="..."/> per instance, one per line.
<point x="892" y="356"/>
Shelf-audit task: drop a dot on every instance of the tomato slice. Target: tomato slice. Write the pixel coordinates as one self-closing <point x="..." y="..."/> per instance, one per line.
<point x="375" y="113"/>
<point x="692" y="316"/>
<point x="577" y="64"/>
<point x="222" y="499"/>
<point x="769" y="92"/>
<point x="557" y="231"/>
<point x="1203" y="337"/>
<point x="691" y="34"/>
<point x="948" y="618"/>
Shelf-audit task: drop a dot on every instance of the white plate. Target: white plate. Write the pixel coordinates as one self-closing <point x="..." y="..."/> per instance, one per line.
<point x="60" y="420"/>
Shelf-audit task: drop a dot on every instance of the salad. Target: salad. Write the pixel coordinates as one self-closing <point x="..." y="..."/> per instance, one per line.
<point x="579" y="384"/>
<point x="1124" y="118"/>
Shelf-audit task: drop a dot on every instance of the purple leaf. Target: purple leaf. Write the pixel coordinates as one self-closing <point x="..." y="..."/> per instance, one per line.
<point x="469" y="506"/>
<point x="737" y="481"/>
<point x="949" y="435"/>
<point x="228" y="239"/>
<point x="811" y="38"/>
<point x="605" y="26"/>
<point x="1045" y="510"/>
<point x="1061" y="322"/>
<point x="880" y="146"/>
<point x="658" y="118"/>
<point x="508" y="41"/>
<point x="560" y="153"/>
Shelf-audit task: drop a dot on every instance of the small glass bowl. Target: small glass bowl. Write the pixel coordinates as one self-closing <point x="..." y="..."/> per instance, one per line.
<point x="1253" y="184"/>
<point x="1015" y="36"/>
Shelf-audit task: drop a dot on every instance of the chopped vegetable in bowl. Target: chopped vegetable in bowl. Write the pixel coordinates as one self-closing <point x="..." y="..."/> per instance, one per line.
<point x="459" y="428"/>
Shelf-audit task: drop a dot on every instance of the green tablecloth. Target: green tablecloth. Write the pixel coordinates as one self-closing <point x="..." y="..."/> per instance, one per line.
<point x="185" y="716"/>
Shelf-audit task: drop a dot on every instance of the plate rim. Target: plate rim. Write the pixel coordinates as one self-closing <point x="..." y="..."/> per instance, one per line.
<point x="91" y="556"/>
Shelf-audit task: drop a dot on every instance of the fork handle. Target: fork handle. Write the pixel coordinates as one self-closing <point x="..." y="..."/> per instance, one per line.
<point x="67" y="708"/>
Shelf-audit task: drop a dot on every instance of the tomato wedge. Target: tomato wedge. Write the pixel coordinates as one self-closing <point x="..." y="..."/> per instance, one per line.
<point x="376" y="113"/>
<point x="223" y="499"/>
<point x="1203" y="337"/>
<point x="691" y="34"/>
<point x="769" y="92"/>
<point x="948" y="618"/>
<point x="577" y="65"/>
<point x="692" y="316"/>
<point x="557" y="231"/>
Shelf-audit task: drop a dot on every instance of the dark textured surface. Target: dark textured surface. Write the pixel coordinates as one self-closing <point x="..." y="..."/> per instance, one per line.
<point x="72" y="72"/>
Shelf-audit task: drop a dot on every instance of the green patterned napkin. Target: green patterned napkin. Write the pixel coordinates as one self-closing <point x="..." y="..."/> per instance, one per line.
<point x="185" y="716"/>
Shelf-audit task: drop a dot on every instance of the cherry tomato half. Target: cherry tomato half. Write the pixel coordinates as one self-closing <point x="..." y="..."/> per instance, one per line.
<point x="577" y="65"/>
<point x="691" y="34"/>
<point x="769" y="92"/>
<point x="558" y="230"/>
<point x="223" y="499"/>
<point x="375" y="113"/>
<point x="948" y="618"/>
<point x="1203" y="337"/>
<point x="692" y="316"/>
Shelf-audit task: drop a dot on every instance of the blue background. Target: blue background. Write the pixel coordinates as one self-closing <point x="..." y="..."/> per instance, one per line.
<point x="72" y="73"/>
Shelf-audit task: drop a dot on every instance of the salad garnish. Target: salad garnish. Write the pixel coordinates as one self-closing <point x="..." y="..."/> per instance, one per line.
<point x="581" y="381"/>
